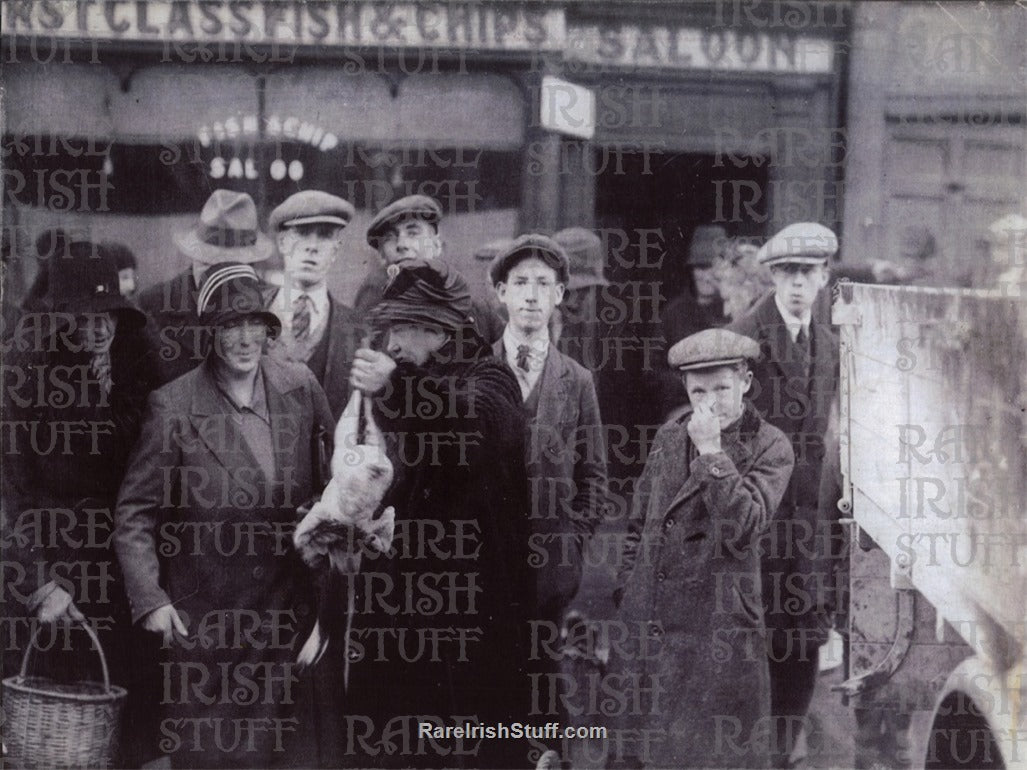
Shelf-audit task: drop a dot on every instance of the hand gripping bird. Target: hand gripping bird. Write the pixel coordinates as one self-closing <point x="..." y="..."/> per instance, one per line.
<point x="342" y="524"/>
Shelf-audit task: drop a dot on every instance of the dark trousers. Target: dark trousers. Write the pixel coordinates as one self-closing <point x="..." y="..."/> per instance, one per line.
<point x="791" y="689"/>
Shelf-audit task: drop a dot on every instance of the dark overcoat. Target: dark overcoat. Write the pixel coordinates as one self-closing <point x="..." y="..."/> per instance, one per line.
<point x="440" y="627"/>
<point x="797" y="568"/>
<point x="566" y="463"/>
<point x="66" y="450"/>
<point x="200" y="526"/>
<point x="694" y="665"/>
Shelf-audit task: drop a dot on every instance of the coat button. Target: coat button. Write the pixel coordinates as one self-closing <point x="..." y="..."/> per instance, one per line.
<point x="258" y="572"/>
<point x="654" y="629"/>
<point x="353" y="655"/>
<point x="715" y="470"/>
<point x="426" y="494"/>
<point x="668" y="523"/>
<point x="661" y="576"/>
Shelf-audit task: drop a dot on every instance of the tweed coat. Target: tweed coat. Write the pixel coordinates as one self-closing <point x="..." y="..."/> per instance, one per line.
<point x="200" y="526"/>
<point x="345" y="334"/>
<point x="566" y="463"/>
<point x="797" y="564"/>
<point x="695" y="658"/>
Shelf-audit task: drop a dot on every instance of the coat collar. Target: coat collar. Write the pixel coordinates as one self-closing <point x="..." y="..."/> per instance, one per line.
<point x="552" y="383"/>
<point x="784" y="353"/>
<point x="736" y="443"/>
<point x="221" y="436"/>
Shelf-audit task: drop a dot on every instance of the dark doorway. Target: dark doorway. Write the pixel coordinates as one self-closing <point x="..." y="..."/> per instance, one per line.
<point x="674" y="193"/>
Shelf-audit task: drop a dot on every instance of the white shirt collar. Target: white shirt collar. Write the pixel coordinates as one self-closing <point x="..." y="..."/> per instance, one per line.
<point x="288" y="294"/>
<point x="793" y="322"/>
<point x="538" y="347"/>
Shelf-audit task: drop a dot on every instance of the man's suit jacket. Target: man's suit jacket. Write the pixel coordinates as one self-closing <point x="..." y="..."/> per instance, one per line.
<point x="799" y="405"/>
<point x="566" y="462"/>
<point x="345" y="333"/>
<point x="171" y="305"/>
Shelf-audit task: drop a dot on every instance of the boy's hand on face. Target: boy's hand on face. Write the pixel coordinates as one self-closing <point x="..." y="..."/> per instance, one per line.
<point x="704" y="429"/>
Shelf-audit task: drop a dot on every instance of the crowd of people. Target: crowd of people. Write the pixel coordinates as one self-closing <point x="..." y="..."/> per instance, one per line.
<point x="160" y="448"/>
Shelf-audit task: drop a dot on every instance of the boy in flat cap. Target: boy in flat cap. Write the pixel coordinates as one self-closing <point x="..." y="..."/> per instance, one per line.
<point x="566" y="452"/>
<point x="453" y="415"/>
<point x="689" y="578"/>
<point x="795" y="383"/>
<point x="317" y="329"/>
<point x="408" y="228"/>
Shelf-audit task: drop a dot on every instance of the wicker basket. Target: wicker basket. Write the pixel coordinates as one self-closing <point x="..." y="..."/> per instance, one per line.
<point x="54" y="725"/>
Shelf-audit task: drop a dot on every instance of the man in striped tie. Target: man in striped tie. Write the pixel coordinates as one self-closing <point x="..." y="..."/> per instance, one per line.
<point x="318" y="329"/>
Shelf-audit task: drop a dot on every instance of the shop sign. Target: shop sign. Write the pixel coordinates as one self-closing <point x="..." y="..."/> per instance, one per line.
<point x="456" y="25"/>
<point x="645" y="46"/>
<point x="236" y="132"/>
<point x="567" y="108"/>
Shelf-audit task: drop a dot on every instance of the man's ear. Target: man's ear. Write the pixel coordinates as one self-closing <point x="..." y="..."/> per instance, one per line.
<point x="500" y="289"/>
<point x="280" y="240"/>
<point x="747" y="381"/>
<point x="561" y="289"/>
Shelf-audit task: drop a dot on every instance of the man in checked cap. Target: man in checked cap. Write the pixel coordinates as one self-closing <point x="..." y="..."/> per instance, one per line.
<point x="317" y="329"/>
<point x="408" y="228"/>
<point x="690" y="572"/>
<point x="795" y="382"/>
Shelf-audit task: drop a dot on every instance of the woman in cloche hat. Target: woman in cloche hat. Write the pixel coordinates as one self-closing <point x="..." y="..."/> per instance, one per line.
<point x="226" y="455"/>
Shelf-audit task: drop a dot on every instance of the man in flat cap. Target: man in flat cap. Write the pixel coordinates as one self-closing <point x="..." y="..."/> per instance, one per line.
<point x="795" y="383"/>
<point x="408" y="228"/>
<point x="566" y="450"/>
<point x="227" y="231"/>
<point x="453" y="414"/>
<point x="317" y="329"/>
<point x="689" y="578"/>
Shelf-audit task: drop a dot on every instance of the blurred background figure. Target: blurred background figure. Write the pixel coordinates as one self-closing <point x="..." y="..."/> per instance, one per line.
<point x="125" y="261"/>
<point x="484" y="255"/>
<point x="700" y="304"/>
<point x="577" y="318"/>
<point x="741" y="277"/>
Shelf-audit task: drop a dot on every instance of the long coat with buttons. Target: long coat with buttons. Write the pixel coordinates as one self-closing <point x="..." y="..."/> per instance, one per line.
<point x="695" y="665"/>
<point x="200" y="526"/>
<point x="797" y="566"/>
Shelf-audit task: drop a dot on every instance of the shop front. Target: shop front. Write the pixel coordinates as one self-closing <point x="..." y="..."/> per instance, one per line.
<point x="121" y="117"/>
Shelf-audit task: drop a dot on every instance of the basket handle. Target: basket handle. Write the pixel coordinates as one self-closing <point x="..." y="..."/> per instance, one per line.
<point x="96" y="643"/>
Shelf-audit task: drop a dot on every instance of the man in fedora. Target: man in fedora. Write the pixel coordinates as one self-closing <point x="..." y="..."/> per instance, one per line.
<point x="317" y="329"/>
<point x="795" y="382"/>
<point x="408" y="228"/>
<point x="226" y="232"/>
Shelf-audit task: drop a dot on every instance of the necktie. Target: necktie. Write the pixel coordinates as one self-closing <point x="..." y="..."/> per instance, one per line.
<point x="802" y="340"/>
<point x="301" y="318"/>
<point x="522" y="356"/>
